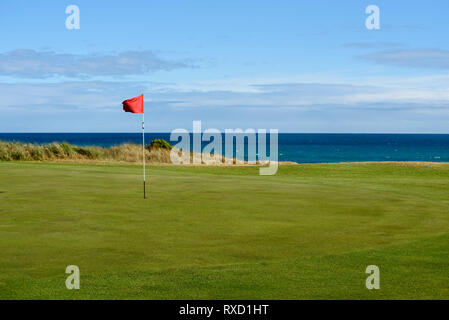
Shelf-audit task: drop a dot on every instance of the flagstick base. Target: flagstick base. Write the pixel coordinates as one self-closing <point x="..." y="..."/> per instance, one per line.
<point x="144" y="191"/>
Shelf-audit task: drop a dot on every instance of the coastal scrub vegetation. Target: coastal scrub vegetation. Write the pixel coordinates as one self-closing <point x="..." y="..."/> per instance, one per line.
<point x="157" y="152"/>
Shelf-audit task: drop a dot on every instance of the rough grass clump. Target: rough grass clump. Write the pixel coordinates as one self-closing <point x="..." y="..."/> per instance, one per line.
<point x="67" y="148"/>
<point x="127" y="152"/>
<point x="35" y="153"/>
<point x="13" y="151"/>
<point x="18" y="153"/>
<point x="55" y="150"/>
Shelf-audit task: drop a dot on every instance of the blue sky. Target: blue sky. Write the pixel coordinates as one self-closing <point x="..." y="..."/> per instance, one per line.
<point x="309" y="66"/>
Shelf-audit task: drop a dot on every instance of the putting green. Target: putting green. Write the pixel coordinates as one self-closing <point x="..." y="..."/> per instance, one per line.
<point x="224" y="232"/>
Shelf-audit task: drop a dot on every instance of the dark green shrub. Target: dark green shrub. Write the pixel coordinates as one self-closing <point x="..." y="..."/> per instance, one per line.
<point x="160" y="144"/>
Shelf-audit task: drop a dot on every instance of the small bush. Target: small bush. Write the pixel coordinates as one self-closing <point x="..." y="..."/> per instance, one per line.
<point x="160" y="144"/>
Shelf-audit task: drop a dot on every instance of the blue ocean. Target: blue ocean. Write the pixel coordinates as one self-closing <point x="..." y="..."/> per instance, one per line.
<point x="298" y="147"/>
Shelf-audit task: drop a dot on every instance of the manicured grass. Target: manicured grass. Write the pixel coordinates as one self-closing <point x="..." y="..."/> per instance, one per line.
<point x="224" y="232"/>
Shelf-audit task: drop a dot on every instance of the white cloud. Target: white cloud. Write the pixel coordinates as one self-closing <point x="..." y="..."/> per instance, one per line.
<point x="26" y="63"/>
<point x="63" y="96"/>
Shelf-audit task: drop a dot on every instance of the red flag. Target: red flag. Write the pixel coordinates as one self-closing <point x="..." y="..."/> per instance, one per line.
<point x="134" y="105"/>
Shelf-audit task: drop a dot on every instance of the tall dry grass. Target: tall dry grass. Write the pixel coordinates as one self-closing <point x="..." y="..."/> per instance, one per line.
<point x="17" y="151"/>
<point x="158" y="152"/>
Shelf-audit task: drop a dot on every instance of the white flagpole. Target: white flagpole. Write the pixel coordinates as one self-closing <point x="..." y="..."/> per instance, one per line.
<point x="143" y="154"/>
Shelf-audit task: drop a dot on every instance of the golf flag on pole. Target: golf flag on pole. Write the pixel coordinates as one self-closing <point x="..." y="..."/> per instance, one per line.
<point x="135" y="105"/>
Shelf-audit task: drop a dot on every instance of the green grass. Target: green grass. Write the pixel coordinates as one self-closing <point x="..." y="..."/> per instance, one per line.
<point x="224" y="232"/>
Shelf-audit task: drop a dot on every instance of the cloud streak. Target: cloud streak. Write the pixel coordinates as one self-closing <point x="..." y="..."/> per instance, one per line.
<point x="305" y="96"/>
<point x="27" y="63"/>
<point x="294" y="106"/>
<point x="427" y="59"/>
<point x="372" y="45"/>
